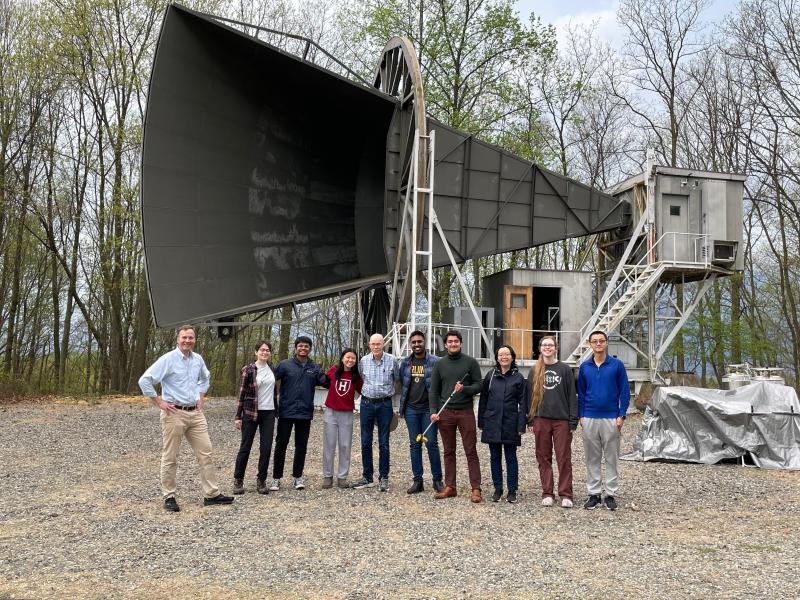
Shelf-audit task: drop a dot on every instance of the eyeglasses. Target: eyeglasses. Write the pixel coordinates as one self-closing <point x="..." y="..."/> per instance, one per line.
<point x="547" y="345"/>
<point x="597" y="342"/>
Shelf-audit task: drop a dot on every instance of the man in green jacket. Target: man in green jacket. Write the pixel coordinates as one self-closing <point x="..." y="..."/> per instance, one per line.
<point x="460" y="373"/>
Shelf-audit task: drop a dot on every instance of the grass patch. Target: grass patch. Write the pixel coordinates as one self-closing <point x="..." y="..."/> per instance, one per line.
<point x="761" y="548"/>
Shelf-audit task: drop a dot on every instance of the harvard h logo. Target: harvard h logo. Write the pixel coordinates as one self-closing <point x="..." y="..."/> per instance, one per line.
<point x="342" y="387"/>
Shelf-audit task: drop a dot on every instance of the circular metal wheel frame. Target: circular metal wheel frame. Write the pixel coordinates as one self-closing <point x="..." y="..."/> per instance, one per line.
<point x="399" y="75"/>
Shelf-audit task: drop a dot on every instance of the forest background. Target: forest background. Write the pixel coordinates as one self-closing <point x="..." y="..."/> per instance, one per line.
<point x="75" y="316"/>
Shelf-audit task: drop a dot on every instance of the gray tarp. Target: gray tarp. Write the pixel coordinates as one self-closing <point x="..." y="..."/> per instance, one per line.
<point x="760" y="420"/>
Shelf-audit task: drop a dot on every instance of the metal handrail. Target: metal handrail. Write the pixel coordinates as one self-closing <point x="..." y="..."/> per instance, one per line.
<point x="398" y="335"/>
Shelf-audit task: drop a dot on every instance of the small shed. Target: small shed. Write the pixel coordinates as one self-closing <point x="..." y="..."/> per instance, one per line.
<point x="530" y="303"/>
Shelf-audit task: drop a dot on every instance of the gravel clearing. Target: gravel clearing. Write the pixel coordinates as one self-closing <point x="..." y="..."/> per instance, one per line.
<point x="81" y="517"/>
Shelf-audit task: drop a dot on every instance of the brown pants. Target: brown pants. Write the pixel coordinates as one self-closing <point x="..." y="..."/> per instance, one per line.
<point x="550" y="433"/>
<point x="464" y="421"/>
<point x="193" y="426"/>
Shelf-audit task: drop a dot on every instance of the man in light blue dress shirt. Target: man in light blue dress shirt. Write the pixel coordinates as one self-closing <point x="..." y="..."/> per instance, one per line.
<point x="379" y="373"/>
<point x="184" y="381"/>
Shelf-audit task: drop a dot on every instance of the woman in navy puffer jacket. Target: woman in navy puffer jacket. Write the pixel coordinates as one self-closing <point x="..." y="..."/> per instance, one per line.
<point x="502" y="412"/>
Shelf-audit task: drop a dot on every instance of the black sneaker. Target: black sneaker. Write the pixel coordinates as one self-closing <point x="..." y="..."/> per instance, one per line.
<point x="610" y="503"/>
<point x="362" y="483"/>
<point x="593" y="502"/>
<point x="218" y="499"/>
<point x="416" y="488"/>
<point x="171" y="505"/>
<point x="498" y="493"/>
<point x="438" y="485"/>
<point x="512" y="497"/>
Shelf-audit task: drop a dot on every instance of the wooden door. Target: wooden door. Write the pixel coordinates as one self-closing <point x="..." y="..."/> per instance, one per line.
<point x="518" y="319"/>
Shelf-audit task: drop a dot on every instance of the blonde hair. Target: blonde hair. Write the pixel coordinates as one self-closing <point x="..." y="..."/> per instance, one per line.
<point x="537" y="388"/>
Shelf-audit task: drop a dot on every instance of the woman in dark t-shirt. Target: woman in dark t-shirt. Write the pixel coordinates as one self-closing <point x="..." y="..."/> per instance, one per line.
<point x="552" y="419"/>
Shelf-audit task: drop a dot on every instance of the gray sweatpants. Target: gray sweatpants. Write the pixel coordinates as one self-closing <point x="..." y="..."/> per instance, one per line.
<point x="600" y="436"/>
<point x="337" y="431"/>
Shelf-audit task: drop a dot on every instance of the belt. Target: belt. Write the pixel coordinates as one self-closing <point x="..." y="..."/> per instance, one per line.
<point x="179" y="407"/>
<point x="373" y="400"/>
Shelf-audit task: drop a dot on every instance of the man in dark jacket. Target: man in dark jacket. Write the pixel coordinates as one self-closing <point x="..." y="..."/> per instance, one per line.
<point x="415" y="381"/>
<point x="298" y="377"/>
<point x="461" y="374"/>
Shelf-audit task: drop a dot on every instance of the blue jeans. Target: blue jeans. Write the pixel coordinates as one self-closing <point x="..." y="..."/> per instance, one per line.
<point x="417" y="420"/>
<point x="496" y="452"/>
<point x="379" y="412"/>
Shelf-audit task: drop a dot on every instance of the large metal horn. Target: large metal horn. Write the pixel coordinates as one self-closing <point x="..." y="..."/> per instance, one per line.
<point x="267" y="179"/>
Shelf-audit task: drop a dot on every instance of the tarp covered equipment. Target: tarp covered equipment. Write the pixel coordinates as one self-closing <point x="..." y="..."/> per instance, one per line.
<point x="760" y="420"/>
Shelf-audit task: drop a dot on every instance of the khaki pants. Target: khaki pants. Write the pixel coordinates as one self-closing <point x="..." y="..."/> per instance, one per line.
<point x="192" y="425"/>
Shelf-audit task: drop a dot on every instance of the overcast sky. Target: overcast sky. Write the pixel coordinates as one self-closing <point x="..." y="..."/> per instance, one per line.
<point x="561" y="12"/>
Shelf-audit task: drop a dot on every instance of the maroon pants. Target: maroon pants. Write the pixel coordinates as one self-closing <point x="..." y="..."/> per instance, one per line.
<point x="464" y="421"/>
<point x="551" y="433"/>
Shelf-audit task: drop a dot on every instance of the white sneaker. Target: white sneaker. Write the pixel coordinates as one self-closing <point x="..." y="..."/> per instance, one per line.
<point x="298" y="483"/>
<point x="276" y="485"/>
<point x="566" y="503"/>
<point x="547" y="501"/>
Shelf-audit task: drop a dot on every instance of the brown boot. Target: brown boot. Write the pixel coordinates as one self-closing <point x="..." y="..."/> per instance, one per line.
<point x="476" y="496"/>
<point x="447" y="492"/>
<point x="261" y="486"/>
<point x="238" y="486"/>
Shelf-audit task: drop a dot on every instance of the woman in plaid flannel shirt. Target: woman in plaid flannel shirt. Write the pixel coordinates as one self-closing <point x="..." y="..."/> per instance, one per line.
<point x="255" y="411"/>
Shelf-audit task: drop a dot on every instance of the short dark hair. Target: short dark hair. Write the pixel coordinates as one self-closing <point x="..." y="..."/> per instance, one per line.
<point x="261" y="343"/>
<point x="303" y="339"/>
<point x="598" y="331"/>
<point x="416" y="333"/>
<point x="453" y="333"/>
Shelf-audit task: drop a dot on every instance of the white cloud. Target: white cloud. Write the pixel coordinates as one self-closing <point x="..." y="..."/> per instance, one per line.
<point x="563" y="14"/>
<point x="607" y="29"/>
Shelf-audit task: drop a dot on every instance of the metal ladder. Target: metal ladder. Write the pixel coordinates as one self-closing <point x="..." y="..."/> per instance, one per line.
<point x="398" y="336"/>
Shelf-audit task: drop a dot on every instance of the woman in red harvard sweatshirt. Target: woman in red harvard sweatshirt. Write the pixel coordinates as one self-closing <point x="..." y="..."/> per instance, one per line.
<point x="338" y="417"/>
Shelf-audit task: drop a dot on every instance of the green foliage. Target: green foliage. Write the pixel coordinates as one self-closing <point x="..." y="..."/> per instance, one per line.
<point x="470" y="54"/>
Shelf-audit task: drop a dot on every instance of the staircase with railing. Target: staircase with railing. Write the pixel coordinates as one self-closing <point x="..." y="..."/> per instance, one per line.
<point x="631" y="283"/>
<point x="635" y="290"/>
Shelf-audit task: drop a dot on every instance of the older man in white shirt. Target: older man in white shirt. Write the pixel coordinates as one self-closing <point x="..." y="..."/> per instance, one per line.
<point x="184" y="381"/>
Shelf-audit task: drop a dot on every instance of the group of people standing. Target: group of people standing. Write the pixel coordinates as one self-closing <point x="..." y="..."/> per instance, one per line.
<point x="436" y="398"/>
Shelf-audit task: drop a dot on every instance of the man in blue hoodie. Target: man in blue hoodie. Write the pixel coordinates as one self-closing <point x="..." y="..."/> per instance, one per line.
<point x="603" y="398"/>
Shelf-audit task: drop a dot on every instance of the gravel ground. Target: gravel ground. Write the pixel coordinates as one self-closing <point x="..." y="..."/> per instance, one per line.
<point x="81" y="517"/>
